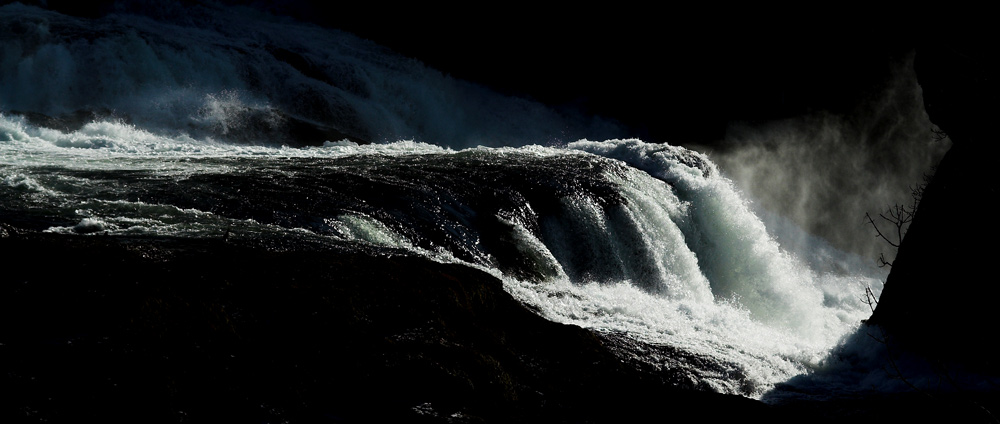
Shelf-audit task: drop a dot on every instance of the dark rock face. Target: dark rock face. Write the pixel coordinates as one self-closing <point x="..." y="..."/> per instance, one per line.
<point x="940" y="297"/>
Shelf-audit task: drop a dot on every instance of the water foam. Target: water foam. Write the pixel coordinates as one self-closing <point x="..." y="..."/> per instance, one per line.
<point x="679" y="260"/>
<point x="107" y="139"/>
<point x="726" y="288"/>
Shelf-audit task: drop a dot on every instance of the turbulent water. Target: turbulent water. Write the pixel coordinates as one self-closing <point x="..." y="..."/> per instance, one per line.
<point x="181" y="126"/>
<point x="619" y="235"/>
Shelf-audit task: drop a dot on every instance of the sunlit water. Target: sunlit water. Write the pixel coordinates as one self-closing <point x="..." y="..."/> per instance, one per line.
<point x="618" y="236"/>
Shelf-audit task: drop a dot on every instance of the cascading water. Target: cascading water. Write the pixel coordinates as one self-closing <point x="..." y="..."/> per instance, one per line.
<point x="622" y="236"/>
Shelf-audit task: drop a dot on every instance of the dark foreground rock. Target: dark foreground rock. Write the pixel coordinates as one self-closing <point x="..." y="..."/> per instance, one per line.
<point x="940" y="298"/>
<point x="169" y="330"/>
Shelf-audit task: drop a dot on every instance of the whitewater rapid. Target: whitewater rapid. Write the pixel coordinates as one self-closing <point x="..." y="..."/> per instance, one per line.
<point x="619" y="236"/>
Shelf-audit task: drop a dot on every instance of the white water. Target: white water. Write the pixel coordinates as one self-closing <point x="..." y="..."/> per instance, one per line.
<point x="683" y="262"/>
<point x="726" y="288"/>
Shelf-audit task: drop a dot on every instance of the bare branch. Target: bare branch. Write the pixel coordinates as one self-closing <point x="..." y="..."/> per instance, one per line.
<point x="870" y="298"/>
<point x="882" y="263"/>
<point x="879" y="232"/>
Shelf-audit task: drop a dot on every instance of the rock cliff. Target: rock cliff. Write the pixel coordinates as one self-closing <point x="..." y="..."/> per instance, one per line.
<point x="939" y="298"/>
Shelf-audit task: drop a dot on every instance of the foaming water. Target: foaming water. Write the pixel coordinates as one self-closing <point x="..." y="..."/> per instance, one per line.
<point x="738" y="256"/>
<point x="724" y="287"/>
<point x="619" y="236"/>
<point x="106" y="139"/>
